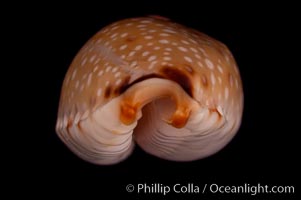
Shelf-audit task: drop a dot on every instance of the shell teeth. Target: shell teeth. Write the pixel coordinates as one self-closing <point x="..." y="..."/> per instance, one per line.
<point x="96" y="140"/>
<point x="179" y="118"/>
<point x="200" y="137"/>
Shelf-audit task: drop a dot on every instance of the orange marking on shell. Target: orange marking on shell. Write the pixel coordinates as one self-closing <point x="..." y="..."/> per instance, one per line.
<point x="180" y="117"/>
<point x="127" y="113"/>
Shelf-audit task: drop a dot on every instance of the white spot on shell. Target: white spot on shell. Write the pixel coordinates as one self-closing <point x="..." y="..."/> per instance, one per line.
<point x="95" y="68"/>
<point x="108" y="68"/>
<point x="182" y="49"/>
<point x="212" y="77"/>
<point x="76" y="84"/>
<point x="188" y="68"/>
<point x="220" y="69"/>
<point x="117" y="74"/>
<point x="157" y="48"/>
<point x="107" y="43"/>
<point x="123" y="47"/>
<point x="145" y="21"/>
<point x="100" y="73"/>
<point x="168" y="49"/>
<point x="115" y="69"/>
<point x="114" y="28"/>
<point x="114" y="35"/>
<point x="197" y="56"/>
<point x="138" y="47"/>
<point x="236" y="83"/>
<point x="149" y="44"/>
<point x="203" y="51"/>
<point x="123" y="35"/>
<point x="118" y="81"/>
<point x="209" y="64"/>
<point x="193" y="41"/>
<point x="148" y="37"/>
<point x="84" y="76"/>
<point x="163" y="41"/>
<point x="185" y="42"/>
<point x="132" y="53"/>
<point x="152" y="31"/>
<point x="145" y="53"/>
<point x="164" y="34"/>
<point x="81" y="88"/>
<point x="200" y="64"/>
<point x="219" y="80"/>
<point x="169" y="30"/>
<point x="89" y="80"/>
<point x="92" y="58"/>
<point x="99" y="92"/>
<point x="231" y="80"/>
<point x="167" y="58"/>
<point x="73" y="74"/>
<point x="152" y="64"/>
<point x="227" y="58"/>
<point x="188" y="59"/>
<point x="193" y="49"/>
<point x="97" y="61"/>
<point x="83" y="62"/>
<point x="141" y="26"/>
<point x="151" y="58"/>
<point x="133" y="64"/>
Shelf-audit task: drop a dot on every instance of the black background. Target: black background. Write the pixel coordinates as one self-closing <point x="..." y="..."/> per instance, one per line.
<point x="261" y="38"/>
